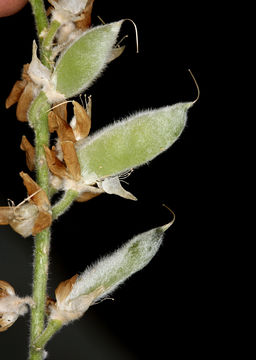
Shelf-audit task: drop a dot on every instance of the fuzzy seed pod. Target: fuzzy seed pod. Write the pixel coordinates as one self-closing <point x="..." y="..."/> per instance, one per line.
<point x="112" y="270"/>
<point x="130" y="143"/>
<point x="83" y="61"/>
<point x="74" y="296"/>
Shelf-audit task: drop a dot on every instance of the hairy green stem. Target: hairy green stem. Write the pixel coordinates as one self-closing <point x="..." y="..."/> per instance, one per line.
<point x="46" y="51"/>
<point x="38" y="118"/>
<point x="64" y="203"/>
<point x="52" y="327"/>
<point x="41" y="20"/>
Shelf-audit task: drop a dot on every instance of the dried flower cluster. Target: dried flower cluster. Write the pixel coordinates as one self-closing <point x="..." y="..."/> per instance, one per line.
<point x="11" y="306"/>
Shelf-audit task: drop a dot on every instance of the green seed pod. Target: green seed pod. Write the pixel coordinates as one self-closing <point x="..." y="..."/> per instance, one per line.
<point x="114" y="269"/>
<point x="83" y="61"/>
<point x="131" y="142"/>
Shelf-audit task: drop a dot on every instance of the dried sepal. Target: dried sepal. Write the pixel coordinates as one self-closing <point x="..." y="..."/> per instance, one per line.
<point x="85" y="17"/>
<point x="82" y="123"/>
<point x="55" y="165"/>
<point x="29" y="151"/>
<point x="11" y="306"/>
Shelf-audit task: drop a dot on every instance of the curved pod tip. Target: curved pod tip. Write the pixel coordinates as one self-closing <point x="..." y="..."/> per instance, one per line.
<point x="167" y="226"/>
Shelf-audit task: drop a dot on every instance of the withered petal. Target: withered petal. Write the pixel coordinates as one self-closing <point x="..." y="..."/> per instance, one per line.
<point x="30" y="152"/>
<point x="83" y="121"/>
<point x="40" y="198"/>
<point x="42" y="221"/>
<point x="64" y="288"/>
<point x="85" y="22"/>
<point x="55" y="165"/>
<point x="71" y="159"/>
<point x="63" y="129"/>
<point x="15" y="93"/>
<point x="24" y="102"/>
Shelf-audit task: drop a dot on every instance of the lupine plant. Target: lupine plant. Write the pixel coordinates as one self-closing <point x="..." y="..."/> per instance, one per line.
<point x="67" y="57"/>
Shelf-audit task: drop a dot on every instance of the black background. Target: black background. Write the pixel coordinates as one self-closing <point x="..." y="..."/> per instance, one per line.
<point x="176" y="307"/>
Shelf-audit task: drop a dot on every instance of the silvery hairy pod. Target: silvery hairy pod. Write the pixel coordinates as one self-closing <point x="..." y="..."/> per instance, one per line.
<point x="75" y="295"/>
<point x="78" y="65"/>
<point x="125" y="145"/>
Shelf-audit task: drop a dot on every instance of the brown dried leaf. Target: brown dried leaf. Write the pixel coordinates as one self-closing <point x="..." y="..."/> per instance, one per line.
<point x="15" y="93"/>
<point x="63" y="129"/>
<point x="83" y="121"/>
<point x="6" y="214"/>
<point x="42" y="221"/>
<point x="71" y="159"/>
<point x="30" y="152"/>
<point x="85" y="22"/>
<point x="61" y="111"/>
<point x="54" y="164"/>
<point x="64" y="288"/>
<point x="86" y="196"/>
<point x="24" y="102"/>
<point x="40" y="198"/>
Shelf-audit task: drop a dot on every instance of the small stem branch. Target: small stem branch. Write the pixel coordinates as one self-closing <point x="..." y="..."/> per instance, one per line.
<point x="52" y="327"/>
<point x="41" y="20"/>
<point x="46" y="51"/>
<point x="64" y="203"/>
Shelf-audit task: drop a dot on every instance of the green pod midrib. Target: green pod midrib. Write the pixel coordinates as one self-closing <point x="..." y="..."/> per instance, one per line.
<point x="131" y="142"/>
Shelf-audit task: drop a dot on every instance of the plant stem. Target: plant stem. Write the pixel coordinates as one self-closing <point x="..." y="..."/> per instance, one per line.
<point x="40" y="17"/>
<point x="38" y="118"/>
<point x="64" y="203"/>
<point x="52" y="327"/>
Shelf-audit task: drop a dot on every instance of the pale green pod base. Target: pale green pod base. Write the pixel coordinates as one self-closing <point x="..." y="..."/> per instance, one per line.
<point x="114" y="269"/>
<point x="84" y="59"/>
<point x="131" y="142"/>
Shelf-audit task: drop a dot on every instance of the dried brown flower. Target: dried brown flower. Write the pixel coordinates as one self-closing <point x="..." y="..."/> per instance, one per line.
<point x="11" y="306"/>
